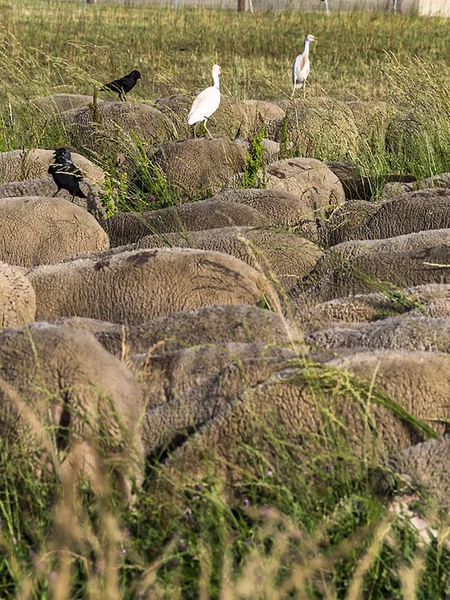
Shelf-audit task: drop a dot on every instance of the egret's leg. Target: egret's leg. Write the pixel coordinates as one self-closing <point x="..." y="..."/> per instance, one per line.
<point x="207" y="130"/>
<point x="293" y="91"/>
<point x="304" y="89"/>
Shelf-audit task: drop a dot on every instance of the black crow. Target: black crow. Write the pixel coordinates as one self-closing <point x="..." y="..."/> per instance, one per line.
<point x="65" y="174"/>
<point x="124" y="85"/>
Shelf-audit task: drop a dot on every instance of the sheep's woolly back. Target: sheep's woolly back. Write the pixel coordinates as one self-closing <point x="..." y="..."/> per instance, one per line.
<point x="283" y="257"/>
<point x="37" y="231"/>
<point x="425" y="467"/>
<point x="133" y="287"/>
<point x="364" y="266"/>
<point x="199" y="168"/>
<point x="17" y="165"/>
<point x="70" y="384"/>
<point x="399" y="333"/>
<point x="237" y="323"/>
<point x="116" y="119"/>
<point x="58" y="103"/>
<point x="430" y="300"/>
<point x="414" y="212"/>
<point x="307" y="406"/>
<point x="299" y="213"/>
<point x="128" y="228"/>
<point x="45" y="187"/>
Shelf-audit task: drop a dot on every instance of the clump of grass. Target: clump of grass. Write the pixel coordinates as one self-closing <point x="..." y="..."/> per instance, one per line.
<point x="254" y="174"/>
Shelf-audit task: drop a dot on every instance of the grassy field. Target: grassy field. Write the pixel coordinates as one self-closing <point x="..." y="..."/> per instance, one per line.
<point x="321" y="532"/>
<point x="59" y="47"/>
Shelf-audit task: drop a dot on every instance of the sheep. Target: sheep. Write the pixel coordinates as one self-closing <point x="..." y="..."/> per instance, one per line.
<point x="321" y="126"/>
<point x="17" y="298"/>
<point x="238" y="323"/>
<point x="133" y="287"/>
<point x="442" y="180"/>
<point x="424" y="467"/>
<point x="352" y="312"/>
<point x="362" y="266"/>
<point x="167" y="377"/>
<point x="314" y="184"/>
<point x="58" y="103"/>
<point x="298" y="213"/>
<point x="71" y="392"/>
<point x="397" y="333"/>
<point x="128" y="228"/>
<point x="342" y="405"/>
<point x="113" y="119"/>
<point x="35" y="231"/>
<point x="417" y="211"/>
<point x="199" y="168"/>
<point x="430" y="300"/>
<point x="17" y="165"/>
<point x="45" y="188"/>
<point x="284" y="258"/>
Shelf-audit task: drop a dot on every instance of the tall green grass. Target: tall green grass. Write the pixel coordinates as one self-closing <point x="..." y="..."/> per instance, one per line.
<point x="401" y="60"/>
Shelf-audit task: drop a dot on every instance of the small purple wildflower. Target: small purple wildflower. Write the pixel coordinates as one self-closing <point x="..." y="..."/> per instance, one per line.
<point x="316" y="476"/>
<point x="329" y="468"/>
<point x="246" y="501"/>
<point x="269" y="472"/>
<point x="248" y="542"/>
<point x="152" y="197"/>
<point x="182" y="546"/>
<point x="187" y="514"/>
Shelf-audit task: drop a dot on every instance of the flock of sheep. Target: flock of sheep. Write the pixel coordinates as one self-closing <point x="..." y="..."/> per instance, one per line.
<point x="193" y="327"/>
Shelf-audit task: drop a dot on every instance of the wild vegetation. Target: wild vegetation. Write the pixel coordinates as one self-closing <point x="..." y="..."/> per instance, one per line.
<point x="300" y="527"/>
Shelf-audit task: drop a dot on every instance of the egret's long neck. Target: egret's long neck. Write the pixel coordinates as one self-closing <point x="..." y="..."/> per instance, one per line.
<point x="216" y="81"/>
<point x="306" y="49"/>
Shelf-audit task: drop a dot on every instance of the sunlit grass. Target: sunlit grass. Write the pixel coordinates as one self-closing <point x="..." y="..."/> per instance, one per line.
<point x="175" y="50"/>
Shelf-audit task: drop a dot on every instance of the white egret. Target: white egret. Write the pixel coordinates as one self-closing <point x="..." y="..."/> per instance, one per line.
<point x="300" y="68"/>
<point x="207" y="102"/>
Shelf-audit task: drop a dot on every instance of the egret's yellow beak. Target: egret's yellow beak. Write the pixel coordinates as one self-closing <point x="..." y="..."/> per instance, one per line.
<point x="315" y="38"/>
<point x="221" y="71"/>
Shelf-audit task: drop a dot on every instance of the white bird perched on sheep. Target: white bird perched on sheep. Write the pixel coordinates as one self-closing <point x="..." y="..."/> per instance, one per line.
<point x="207" y="102"/>
<point x="300" y="68"/>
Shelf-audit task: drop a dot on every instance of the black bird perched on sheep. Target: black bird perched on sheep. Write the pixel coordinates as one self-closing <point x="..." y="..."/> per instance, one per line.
<point x="124" y="85"/>
<point x="66" y="175"/>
